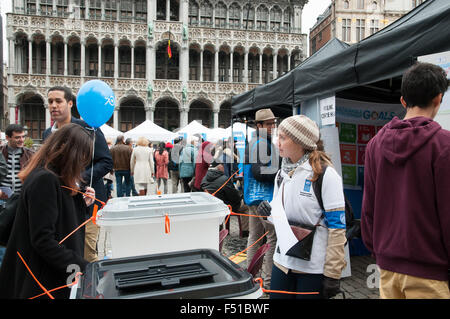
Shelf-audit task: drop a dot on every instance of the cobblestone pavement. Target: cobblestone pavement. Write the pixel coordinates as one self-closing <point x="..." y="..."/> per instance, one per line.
<point x="354" y="287"/>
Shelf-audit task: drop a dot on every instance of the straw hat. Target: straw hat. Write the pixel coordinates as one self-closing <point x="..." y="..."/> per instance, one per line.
<point x="264" y="115"/>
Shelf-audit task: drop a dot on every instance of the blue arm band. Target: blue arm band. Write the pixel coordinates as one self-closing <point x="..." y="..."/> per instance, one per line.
<point x="335" y="219"/>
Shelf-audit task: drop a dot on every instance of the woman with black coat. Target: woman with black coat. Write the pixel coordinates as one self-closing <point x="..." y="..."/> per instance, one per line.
<point x="47" y="212"/>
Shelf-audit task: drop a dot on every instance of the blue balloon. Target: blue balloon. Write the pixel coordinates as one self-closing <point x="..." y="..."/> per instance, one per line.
<point x="96" y="102"/>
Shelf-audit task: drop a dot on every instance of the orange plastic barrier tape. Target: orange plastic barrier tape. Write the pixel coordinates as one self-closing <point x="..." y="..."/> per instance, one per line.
<point x="234" y="256"/>
<point x="282" y="291"/>
<point x="214" y="194"/>
<point x="77" y="278"/>
<point x="35" y="279"/>
<point x="167" y="224"/>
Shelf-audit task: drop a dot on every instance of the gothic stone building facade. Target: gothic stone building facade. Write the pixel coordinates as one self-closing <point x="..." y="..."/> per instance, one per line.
<point x="219" y="48"/>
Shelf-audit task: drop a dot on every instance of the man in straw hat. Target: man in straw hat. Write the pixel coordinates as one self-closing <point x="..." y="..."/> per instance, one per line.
<point x="261" y="166"/>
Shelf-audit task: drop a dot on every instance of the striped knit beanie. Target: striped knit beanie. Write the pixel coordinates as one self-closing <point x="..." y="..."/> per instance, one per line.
<point x="302" y="130"/>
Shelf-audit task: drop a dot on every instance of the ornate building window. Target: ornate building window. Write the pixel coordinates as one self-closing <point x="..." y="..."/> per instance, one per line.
<point x="261" y="18"/>
<point x="221" y="15"/>
<point x="267" y="67"/>
<point x="275" y="19"/>
<point x="39" y="55"/>
<point x="194" y="65"/>
<point x="360" y="29"/>
<point x="46" y="7"/>
<point x="92" y="59"/>
<point x="80" y="7"/>
<point x="238" y="66"/>
<point x="253" y="67"/>
<point x="132" y="114"/>
<point x="21" y="54"/>
<point x="225" y="115"/>
<point x="32" y="115"/>
<point x="346" y="30"/>
<point x="167" y="114"/>
<point x="126" y="10"/>
<point x="359" y="4"/>
<point x="62" y="7"/>
<point x="141" y="10"/>
<point x="193" y="13"/>
<point x="224" y="66"/>
<point x="108" y="60"/>
<point x="208" y="65"/>
<point x="249" y="17"/>
<point x="95" y="9"/>
<point x="161" y="9"/>
<point x="57" y="56"/>
<point x="287" y="20"/>
<point x="174" y="10"/>
<point x="346" y="5"/>
<point x="167" y="68"/>
<point x="234" y="16"/>
<point x="125" y="61"/>
<point x="374" y="26"/>
<point x="31" y="7"/>
<point x="111" y="10"/>
<point x="74" y="56"/>
<point x="139" y="61"/>
<point x="206" y="14"/>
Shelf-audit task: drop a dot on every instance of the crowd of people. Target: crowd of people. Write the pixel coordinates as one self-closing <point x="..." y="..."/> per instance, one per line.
<point x="68" y="178"/>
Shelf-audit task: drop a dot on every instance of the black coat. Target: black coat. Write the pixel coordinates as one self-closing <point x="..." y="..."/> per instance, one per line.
<point x="103" y="163"/>
<point x="213" y="180"/>
<point x="46" y="214"/>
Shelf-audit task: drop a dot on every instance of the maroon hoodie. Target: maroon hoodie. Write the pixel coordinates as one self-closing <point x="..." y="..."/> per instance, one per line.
<point x="406" y="202"/>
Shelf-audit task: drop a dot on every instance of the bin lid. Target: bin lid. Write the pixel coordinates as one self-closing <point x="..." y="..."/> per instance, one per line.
<point x="200" y="273"/>
<point x="132" y="208"/>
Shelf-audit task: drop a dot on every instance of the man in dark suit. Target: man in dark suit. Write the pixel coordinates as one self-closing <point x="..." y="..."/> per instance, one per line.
<point x="60" y="102"/>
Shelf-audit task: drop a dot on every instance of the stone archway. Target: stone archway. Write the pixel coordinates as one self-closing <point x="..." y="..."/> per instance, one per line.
<point x="202" y="112"/>
<point x="167" y="114"/>
<point x="32" y="114"/>
<point x="131" y="113"/>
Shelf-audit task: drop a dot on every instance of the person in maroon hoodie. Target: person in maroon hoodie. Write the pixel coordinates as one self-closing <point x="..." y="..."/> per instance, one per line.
<point x="405" y="219"/>
<point x="204" y="158"/>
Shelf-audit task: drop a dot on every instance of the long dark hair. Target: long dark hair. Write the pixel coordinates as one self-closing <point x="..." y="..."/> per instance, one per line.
<point x="65" y="152"/>
<point x="162" y="148"/>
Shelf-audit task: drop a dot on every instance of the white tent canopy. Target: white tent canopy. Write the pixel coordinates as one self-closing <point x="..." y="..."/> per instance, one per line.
<point x="151" y="131"/>
<point x="194" y="128"/>
<point x="240" y="127"/>
<point x="218" y="134"/>
<point x="110" y="132"/>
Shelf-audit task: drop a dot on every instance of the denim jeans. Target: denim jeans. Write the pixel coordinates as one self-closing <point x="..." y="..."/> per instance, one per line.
<point x="123" y="187"/>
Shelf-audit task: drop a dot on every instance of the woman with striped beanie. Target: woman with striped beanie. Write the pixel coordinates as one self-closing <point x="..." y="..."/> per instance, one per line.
<point x="315" y="261"/>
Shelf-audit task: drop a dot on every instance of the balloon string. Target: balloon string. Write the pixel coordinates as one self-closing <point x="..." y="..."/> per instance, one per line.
<point x="92" y="166"/>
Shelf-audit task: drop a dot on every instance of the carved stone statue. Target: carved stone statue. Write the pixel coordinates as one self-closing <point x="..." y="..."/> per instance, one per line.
<point x="149" y="92"/>
<point x="184" y="93"/>
<point x="185" y="32"/>
<point x="150" y="30"/>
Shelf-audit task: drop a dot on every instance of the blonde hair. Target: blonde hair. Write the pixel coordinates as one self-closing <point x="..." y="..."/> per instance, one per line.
<point x="142" y="141"/>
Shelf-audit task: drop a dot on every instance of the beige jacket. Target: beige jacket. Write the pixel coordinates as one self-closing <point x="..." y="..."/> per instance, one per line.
<point x="142" y="165"/>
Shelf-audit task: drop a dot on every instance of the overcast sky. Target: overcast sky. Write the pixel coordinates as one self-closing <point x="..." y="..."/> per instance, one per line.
<point x="310" y="13"/>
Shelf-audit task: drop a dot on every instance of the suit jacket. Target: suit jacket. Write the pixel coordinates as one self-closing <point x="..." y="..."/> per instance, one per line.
<point x="103" y="162"/>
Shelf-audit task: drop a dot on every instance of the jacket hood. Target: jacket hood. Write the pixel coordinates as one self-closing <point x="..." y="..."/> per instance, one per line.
<point x="213" y="174"/>
<point x="400" y="139"/>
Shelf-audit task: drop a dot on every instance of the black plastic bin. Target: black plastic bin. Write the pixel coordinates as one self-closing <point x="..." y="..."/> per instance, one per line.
<point x="190" y="274"/>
